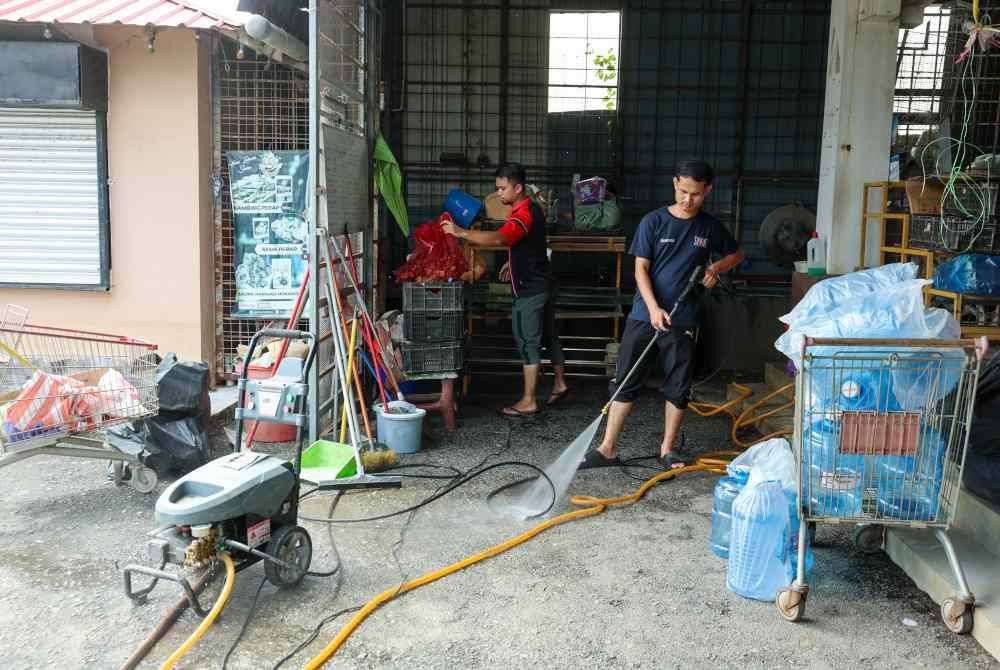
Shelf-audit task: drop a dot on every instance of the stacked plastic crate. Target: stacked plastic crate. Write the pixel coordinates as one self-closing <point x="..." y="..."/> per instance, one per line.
<point x="434" y="327"/>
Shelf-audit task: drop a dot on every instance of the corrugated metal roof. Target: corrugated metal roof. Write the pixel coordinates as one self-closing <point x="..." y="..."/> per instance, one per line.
<point x="165" y="13"/>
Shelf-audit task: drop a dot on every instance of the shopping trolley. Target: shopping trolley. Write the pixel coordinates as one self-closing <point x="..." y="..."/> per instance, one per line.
<point x="61" y="389"/>
<point x="881" y="428"/>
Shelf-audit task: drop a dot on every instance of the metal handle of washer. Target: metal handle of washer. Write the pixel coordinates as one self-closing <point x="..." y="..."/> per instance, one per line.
<point x="278" y="333"/>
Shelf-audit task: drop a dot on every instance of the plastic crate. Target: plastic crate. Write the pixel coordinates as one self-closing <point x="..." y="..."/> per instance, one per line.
<point x="956" y="233"/>
<point x="433" y="297"/>
<point x="429" y="326"/>
<point x="432" y="357"/>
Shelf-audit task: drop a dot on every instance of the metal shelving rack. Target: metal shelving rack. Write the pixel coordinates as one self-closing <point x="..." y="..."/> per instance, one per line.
<point x="894" y="241"/>
<point x="576" y="347"/>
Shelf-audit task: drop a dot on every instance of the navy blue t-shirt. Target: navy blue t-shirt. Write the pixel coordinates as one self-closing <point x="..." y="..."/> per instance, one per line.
<point x="675" y="247"/>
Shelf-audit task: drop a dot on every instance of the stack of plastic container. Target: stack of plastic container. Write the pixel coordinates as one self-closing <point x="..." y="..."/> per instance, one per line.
<point x="434" y="327"/>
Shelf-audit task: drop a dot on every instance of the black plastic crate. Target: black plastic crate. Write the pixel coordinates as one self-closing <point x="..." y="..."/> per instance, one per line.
<point x="432" y="357"/>
<point x="954" y="233"/>
<point x="433" y="297"/>
<point x="428" y="326"/>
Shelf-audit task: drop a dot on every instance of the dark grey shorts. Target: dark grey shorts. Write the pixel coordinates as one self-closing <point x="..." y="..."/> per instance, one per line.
<point x="533" y="322"/>
<point x="675" y="350"/>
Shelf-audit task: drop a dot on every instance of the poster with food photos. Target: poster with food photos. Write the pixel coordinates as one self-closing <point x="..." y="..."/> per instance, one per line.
<point x="268" y="195"/>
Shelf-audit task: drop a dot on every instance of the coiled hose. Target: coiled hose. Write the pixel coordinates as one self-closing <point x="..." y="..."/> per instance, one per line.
<point x="747" y="418"/>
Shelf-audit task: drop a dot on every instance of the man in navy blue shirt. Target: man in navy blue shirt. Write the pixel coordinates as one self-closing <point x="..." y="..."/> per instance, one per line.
<point x="669" y="244"/>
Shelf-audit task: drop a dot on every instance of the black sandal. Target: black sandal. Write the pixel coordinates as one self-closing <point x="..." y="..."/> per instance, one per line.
<point x="670" y="461"/>
<point x="596" y="459"/>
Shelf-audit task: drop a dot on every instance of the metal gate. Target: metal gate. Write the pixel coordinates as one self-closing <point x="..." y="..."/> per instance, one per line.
<point x="261" y="106"/>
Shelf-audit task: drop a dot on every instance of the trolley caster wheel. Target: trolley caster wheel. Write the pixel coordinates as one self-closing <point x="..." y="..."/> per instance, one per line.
<point x="868" y="538"/>
<point x="791" y="603"/>
<point x="116" y="472"/>
<point x="142" y="479"/>
<point x="955" y="620"/>
<point x="290" y="544"/>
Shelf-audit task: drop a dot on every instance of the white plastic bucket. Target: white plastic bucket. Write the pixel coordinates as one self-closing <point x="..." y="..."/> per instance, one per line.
<point x="400" y="430"/>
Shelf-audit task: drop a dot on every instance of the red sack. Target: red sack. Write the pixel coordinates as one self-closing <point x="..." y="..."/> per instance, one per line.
<point x="437" y="257"/>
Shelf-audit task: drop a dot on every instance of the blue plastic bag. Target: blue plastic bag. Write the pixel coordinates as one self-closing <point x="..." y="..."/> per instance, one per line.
<point x="975" y="274"/>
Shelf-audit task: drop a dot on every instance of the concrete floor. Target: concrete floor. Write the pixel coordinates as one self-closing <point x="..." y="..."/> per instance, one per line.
<point x="633" y="587"/>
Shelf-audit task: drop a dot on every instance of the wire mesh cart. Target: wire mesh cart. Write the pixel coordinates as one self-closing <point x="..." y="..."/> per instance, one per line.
<point x="61" y="389"/>
<point x="881" y="429"/>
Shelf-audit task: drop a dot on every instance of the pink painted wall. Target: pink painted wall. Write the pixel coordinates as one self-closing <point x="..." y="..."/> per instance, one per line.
<point x="159" y="160"/>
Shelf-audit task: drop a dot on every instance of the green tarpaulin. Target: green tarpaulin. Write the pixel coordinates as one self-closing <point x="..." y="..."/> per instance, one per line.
<point x="390" y="184"/>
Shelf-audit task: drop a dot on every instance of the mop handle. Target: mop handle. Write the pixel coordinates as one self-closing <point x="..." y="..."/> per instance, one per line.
<point x="695" y="276"/>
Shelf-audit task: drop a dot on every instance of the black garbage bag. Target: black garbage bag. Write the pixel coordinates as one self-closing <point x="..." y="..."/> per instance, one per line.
<point x="133" y="438"/>
<point x="178" y="445"/>
<point x="182" y="388"/>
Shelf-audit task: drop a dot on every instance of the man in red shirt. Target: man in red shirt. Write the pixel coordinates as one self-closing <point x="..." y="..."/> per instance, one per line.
<point x="527" y="268"/>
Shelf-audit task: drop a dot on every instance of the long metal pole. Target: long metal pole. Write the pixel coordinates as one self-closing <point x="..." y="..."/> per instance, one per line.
<point x="314" y="219"/>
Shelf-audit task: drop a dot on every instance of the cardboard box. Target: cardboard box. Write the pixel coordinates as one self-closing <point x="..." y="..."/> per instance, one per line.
<point x="495" y="209"/>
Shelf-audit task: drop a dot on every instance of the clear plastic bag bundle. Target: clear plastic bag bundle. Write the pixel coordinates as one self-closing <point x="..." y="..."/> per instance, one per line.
<point x="758" y="550"/>
<point x="868" y="307"/>
<point x="831" y="293"/>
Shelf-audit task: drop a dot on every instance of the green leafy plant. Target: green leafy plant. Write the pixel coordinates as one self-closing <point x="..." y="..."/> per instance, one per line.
<point x="607" y="71"/>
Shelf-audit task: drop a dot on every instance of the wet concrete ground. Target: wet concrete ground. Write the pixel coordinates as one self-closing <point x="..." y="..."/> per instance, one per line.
<point x="632" y="587"/>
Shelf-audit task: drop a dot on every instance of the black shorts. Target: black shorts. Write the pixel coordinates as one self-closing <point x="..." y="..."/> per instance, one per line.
<point x="675" y="350"/>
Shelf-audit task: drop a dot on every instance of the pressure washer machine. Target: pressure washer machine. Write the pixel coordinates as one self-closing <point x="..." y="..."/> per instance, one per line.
<point x="245" y="503"/>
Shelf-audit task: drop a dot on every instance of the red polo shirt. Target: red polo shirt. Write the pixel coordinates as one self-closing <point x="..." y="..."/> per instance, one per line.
<point x="519" y="223"/>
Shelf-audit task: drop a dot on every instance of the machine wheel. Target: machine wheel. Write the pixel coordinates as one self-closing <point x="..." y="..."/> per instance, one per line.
<point x="791" y="604"/>
<point x="292" y="545"/>
<point x="961" y="624"/>
<point x="142" y="479"/>
<point x="868" y="538"/>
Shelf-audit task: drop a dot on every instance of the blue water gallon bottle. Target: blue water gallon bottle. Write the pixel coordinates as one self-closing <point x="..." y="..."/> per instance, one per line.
<point x="758" y="547"/>
<point x="832" y="481"/>
<point x="906" y="490"/>
<point x="793" y="537"/>
<point x="722" y="511"/>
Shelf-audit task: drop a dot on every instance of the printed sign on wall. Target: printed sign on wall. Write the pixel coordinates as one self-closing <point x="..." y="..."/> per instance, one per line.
<point x="268" y="193"/>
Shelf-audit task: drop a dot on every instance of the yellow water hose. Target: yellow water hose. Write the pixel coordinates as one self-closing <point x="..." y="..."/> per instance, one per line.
<point x="747" y="417"/>
<point x="220" y="602"/>
<point x="591" y="506"/>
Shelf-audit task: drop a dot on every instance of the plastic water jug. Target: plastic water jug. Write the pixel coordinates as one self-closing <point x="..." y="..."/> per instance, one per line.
<point x="758" y="551"/>
<point x="909" y="486"/>
<point x="833" y="481"/>
<point x="793" y="538"/>
<point x="722" y="511"/>
<point x="816" y="255"/>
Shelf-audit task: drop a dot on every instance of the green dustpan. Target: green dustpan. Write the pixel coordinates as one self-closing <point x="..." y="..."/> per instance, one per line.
<point x="325" y="462"/>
